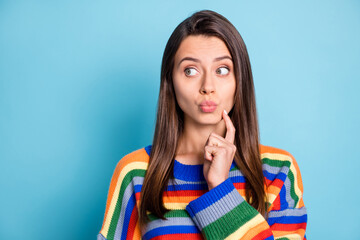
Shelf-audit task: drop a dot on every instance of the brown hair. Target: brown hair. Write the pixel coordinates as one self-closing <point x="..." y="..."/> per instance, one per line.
<point x="169" y="122"/>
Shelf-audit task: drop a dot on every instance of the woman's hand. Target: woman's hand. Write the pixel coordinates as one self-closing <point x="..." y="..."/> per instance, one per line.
<point x="219" y="154"/>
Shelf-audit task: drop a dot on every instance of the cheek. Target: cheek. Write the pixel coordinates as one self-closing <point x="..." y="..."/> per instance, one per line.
<point x="230" y="100"/>
<point x="182" y="96"/>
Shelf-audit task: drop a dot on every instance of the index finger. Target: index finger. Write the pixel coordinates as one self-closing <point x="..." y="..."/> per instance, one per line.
<point x="230" y="129"/>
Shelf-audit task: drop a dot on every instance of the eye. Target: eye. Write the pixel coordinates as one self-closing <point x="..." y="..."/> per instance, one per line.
<point x="190" y="71"/>
<point x="222" y="70"/>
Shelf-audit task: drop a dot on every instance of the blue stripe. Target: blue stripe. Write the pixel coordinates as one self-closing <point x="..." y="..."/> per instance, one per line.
<point x="269" y="238"/>
<point x="287" y="219"/>
<point x="238" y="179"/>
<point x="129" y="208"/>
<point x="283" y="203"/>
<point x="171" y="230"/>
<point x="180" y="187"/>
<point x="148" y="149"/>
<point x="282" y="176"/>
<point x="137" y="188"/>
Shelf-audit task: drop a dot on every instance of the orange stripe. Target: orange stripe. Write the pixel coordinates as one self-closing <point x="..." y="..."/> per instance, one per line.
<point x="274" y="189"/>
<point x="141" y="156"/>
<point x="255" y="230"/>
<point x="179" y="199"/>
<point x="269" y="149"/>
<point x="263" y="235"/>
<point x="299" y="180"/>
<point x="241" y="192"/>
<point x="301" y="203"/>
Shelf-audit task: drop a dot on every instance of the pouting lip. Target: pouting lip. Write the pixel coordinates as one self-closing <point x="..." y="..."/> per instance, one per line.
<point x="208" y="103"/>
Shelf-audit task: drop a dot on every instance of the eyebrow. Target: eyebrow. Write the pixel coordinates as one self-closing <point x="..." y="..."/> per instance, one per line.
<point x="197" y="60"/>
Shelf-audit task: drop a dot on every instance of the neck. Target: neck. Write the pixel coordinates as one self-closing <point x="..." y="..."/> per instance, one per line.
<point x="191" y="145"/>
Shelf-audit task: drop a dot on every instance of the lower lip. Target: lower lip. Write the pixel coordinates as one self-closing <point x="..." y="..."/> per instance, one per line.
<point x="208" y="108"/>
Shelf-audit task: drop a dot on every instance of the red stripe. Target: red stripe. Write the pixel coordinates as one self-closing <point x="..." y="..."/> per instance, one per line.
<point x="264" y="234"/>
<point x="181" y="236"/>
<point x="288" y="227"/>
<point x="276" y="204"/>
<point x="137" y="196"/>
<point x="192" y="193"/>
<point x="132" y="223"/>
<point x="239" y="185"/>
<point x="268" y="182"/>
<point x="278" y="183"/>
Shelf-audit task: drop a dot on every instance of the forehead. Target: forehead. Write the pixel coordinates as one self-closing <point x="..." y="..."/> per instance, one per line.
<point x="201" y="46"/>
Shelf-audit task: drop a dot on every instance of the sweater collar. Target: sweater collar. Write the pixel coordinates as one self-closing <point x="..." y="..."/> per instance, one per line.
<point x="186" y="172"/>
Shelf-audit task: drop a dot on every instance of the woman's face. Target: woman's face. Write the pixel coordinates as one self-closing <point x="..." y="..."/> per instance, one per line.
<point x="203" y="78"/>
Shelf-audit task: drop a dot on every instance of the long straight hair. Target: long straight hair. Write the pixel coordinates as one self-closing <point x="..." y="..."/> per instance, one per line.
<point x="170" y="118"/>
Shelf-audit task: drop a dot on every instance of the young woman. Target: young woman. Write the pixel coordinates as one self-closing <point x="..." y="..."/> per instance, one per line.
<point x="206" y="176"/>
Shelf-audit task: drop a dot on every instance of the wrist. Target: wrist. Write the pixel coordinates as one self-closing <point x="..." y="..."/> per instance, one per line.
<point x="214" y="184"/>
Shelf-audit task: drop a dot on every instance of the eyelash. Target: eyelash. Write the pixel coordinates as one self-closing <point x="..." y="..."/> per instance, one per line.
<point x="216" y="70"/>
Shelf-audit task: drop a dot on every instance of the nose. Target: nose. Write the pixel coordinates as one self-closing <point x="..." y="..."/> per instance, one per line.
<point x="207" y="85"/>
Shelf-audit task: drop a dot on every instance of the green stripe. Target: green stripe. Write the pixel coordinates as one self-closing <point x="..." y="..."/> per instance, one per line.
<point x="115" y="217"/>
<point x="170" y="214"/>
<point x="292" y="189"/>
<point x="230" y="222"/>
<point x="276" y="163"/>
<point x="235" y="168"/>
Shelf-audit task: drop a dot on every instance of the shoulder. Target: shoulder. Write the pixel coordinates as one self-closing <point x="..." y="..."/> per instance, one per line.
<point x="134" y="161"/>
<point x="276" y="158"/>
<point x="280" y="170"/>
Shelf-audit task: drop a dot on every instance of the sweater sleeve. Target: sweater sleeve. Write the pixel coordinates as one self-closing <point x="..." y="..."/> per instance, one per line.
<point x="222" y="213"/>
<point x="121" y="213"/>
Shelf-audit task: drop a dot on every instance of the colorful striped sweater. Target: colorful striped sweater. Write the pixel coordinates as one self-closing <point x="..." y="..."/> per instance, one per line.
<point x="197" y="213"/>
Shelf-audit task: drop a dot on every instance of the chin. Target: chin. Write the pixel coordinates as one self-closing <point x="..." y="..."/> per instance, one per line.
<point x="210" y="120"/>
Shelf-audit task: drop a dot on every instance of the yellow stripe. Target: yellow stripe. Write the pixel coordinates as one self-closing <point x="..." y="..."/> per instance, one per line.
<point x="271" y="197"/>
<point x="276" y="156"/>
<point x="177" y="206"/>
<point x="125" y="170"/>
<point x="238" y="234"/>
<point x="290" y="237"/>
<point x="173" y="206"/>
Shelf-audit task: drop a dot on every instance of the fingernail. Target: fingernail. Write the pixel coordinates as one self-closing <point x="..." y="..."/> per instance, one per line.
<point x="225" y="112"/>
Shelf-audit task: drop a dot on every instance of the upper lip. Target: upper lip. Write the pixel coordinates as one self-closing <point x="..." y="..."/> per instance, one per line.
<point x="208" y="103"/>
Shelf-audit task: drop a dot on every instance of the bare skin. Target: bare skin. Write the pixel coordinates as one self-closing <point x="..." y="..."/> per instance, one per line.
<point x="203" y="70"/>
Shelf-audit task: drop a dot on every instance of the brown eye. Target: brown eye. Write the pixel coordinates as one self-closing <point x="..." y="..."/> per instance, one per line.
<point x="190" y="71"/>
<point x="222" y="70"/>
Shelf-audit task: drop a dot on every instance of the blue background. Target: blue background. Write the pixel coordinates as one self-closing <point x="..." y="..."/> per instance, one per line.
<point x="79" y="82"/>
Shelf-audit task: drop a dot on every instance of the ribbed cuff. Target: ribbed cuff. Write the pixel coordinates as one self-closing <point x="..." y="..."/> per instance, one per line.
<point x="220" y="211"/>
<point x="224" y="189"/>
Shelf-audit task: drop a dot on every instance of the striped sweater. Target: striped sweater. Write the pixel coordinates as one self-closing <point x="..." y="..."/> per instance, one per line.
<point x="197" y="213"/>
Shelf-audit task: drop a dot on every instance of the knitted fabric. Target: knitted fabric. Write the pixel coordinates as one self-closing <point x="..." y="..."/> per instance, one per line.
<point x="197" y="213"/>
